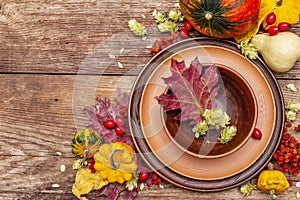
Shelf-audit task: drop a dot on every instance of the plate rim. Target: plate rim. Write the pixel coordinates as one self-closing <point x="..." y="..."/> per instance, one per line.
<point x="242" y="176"/>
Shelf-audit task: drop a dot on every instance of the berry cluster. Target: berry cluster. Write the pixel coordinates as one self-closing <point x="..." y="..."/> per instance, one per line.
<point x="184" y="32"/>
<point x="163" y="43"/>
<point x="91" y="165"/>
<point x="151" y="178"/>
<point x="274" y="30"/>
<point x="287" y="156"/>
<point x="117" y="124"/>
<point x="156" y="179"/>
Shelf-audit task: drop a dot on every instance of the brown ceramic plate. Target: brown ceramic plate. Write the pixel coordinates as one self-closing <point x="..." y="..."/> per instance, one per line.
<point x="167" y="157"/>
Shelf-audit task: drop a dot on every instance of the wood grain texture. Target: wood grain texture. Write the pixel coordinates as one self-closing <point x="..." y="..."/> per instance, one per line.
<point x="37" y="121"/>
<point x="54" y="59"/>
<point x="56" y="37"/>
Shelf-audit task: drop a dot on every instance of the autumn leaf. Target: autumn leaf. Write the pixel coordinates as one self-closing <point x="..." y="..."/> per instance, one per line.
<point x="86" y="181"/>
<point x="285" y="11"/>
<point x="266" y="7"/>
<point x="191" y="90"/>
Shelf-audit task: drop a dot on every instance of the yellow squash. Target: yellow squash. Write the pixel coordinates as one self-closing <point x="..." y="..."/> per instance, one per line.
<point x="272" y="181"/>
<point x="116" y="162"/>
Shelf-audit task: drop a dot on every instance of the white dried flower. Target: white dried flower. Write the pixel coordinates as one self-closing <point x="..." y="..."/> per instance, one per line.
<point x="160" y="18"/>
<point x="154" y="12"/>
<point x="120" y="65"/>
<point x="247" y="188"/>
<point x="297" y="195"/>
<point x="168" y="26"/>
<point x="216" y="116"/>
<point x="293" y="106"/>
<point x="227" y="134"/>
<point x="292" y="87"/>
<point x="200" y="128"/>
<point x="62" y="168"/>
<point x="111" y="56"/>
<point x="175" y="15"/>
<point x="137" y="28"/>
<point x="55" y="185"/>
<point x="248" y="50"/>
<point x="290" y="115"/>
<point x="77" y="164"/>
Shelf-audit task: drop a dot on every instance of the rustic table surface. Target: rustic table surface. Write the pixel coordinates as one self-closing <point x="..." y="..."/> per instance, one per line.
<point x="54" y="59"/>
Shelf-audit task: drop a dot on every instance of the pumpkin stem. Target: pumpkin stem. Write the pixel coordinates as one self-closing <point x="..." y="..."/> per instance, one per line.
<point x="114" y="164"/>
<point x="279" y="3"/>
<point x="272" y="195"/>
<point x="208" y="15"/>
<point x="86" y="152"/>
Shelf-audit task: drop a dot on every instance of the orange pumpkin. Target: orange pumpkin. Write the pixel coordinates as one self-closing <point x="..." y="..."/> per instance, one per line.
<point x="221" y="18"/>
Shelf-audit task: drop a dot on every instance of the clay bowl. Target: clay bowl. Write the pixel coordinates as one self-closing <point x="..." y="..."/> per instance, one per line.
<point x="239" y="103"/>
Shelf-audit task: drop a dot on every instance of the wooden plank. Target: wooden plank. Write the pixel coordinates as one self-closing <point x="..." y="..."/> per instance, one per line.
<point x="62" y="36"/>
<point x="37" y="120"/>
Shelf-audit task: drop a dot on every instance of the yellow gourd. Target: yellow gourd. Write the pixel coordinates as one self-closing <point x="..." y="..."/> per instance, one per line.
<point x="272" y="181"/>
<point x="280" y="52"/>
<point x="116" y="162"/>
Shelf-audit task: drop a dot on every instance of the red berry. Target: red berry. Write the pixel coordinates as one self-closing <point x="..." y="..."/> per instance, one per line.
<point x="273" y="30"/>
<point x="257" y="134"/>
<point x="283" y="26"/>
<point x="183" y="33"/>
<point x="275" y="155"/>
<point x="187" y="25"/>
<point x="120" y="121"/>
<point x="144" y="175"/>
<point x="288" y="125"/>
<point x="157" y="181"/>
<point x="110" y="124"/>
<point x="91" y="166"/>
<point x="93" y="170"/>
<point x="154" y="176"/>
<point x="271" y="18"/>
<point x="119" y="130"/>
<point x="279" y="168"/>
<point x="286" y="137"/>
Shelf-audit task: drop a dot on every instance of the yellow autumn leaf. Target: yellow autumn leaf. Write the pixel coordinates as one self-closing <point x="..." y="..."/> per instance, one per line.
<point x="266" y="7"/>
<point x="285" y="11"/>
<point x="86" y="181"/>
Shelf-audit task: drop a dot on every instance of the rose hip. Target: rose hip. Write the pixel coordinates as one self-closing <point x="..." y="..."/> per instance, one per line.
<point x="273" y="30"/>
<point x="257" y="134"/>
<point x="144" y="175"/>
<point x="183" y="33"/>
<point x="110" y="124"/>
<point x="187" y="25"/>
<point x="271" y="18"/>
<point x="283" y="26"/>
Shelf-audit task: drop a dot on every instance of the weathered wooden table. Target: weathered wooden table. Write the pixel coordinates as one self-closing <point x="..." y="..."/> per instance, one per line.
<point x="54" y="59"/>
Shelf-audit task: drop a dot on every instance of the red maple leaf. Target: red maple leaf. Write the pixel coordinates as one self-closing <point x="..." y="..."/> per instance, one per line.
<point x="192" y="90"/>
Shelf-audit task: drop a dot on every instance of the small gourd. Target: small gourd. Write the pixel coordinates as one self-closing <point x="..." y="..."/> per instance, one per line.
<point x="221" y="18"/>
<point x="272" y="181"/>
<point x="116" y="162"/>
<point x="280" y="52"/>
<point x="86" y="143"/>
